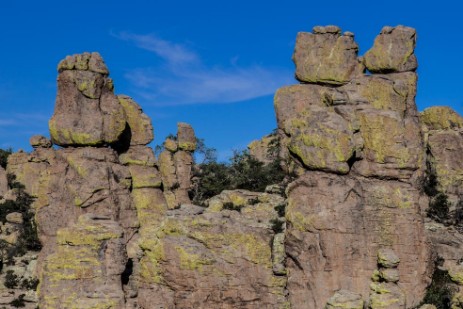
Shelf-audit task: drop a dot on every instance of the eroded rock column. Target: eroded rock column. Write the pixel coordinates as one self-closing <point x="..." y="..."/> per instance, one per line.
<point x="356" y="145"/>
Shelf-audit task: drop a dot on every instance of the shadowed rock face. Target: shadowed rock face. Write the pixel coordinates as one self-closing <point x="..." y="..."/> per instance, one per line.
<point x="119" y="231"/>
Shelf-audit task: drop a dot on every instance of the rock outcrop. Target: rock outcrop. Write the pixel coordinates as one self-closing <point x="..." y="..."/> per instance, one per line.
<point x="265" y="150"/>
<point x="360" y="153"/>
<point x="175" y="164"/>
<point x="87" y="113"/>
<point x="118" y="229"/>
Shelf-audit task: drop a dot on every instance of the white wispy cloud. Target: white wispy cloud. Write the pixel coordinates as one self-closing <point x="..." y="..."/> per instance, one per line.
<point x="174" y="53"/>
<point x="184" y="79"/>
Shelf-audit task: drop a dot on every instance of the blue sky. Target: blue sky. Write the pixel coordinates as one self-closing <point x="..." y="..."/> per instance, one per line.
<point x="214" y="64"/>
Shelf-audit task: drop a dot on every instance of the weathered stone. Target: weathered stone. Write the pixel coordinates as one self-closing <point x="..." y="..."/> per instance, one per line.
<point x="40" y="141"/>
<point x="441" y="118"/>
<point x="344" y="299"/>
<point x="386" y="296"/>
<point x="265" y="150"/>
<point x="145" y="177"/>
<point x="201" y="254"/>
<point x="14" y="217"/>
<point x="87" y="113"/>
<point x="332" y="217"/>
<point x="138" y="155"/>
<point x="3" y="182"/>
<point x="82" y="272"/>
<point x="141" y="129"/>
<point x="457" y="301"/>
<point x="393" y="51"/>
<point x="427" y="306"/>
<point x="326" y="56"/>
<point x="388" y="258"/>
<point x="445" y="148"/>
<point x="171" y="145"/>
<point x="389" y="274"/>
<point x="322" y="140"/>
<point x="186" y="138"/>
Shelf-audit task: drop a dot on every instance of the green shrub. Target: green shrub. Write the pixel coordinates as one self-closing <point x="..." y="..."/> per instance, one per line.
<point x="441" y="290"/>
<point x="4" y="154"/>
<point x="458" y="215"/>
<point x="30" y="284"/>
<point x="253" y="201"/>
<point x="209" y="179"/>
<point x="281" y="210"/>
<point x="231" y="206"/>
<point x="18" y="302"/>
<point x="28" y="238"/>
<point x="11" y="280"/>
<point x="242" y="171"/>
<point x="277" y="225"/>
<point x="439" y="208"/>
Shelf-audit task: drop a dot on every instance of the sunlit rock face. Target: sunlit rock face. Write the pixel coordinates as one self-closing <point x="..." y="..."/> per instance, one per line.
<point x="119" y="231"/>
<point x="356" y="143"/>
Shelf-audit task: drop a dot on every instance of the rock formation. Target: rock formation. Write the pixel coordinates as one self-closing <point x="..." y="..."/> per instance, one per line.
<point x="360" y="153"/>
<point x="118" y="229"/>
<point x="175" y="164"/>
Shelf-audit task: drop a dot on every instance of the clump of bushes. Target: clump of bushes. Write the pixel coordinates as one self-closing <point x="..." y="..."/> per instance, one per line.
<point x="28" y="239"/>
<point x="4" y="154"/>
<point x="277" y="225"/>
<point x="439" y="205"/>
<point x="18" y="302"/>
<point x="11" y="280"/>
<point x="439" y="208"/>
<point x="231" y="206"/>
<point x="243" y="171"/>
<point x="441" y="290"/>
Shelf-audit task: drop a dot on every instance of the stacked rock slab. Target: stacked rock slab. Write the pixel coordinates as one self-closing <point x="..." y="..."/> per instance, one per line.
<point x="385" y="289"/>
<point x="356" y="143"/>
<point x="85" y="215"/>
<point x="175" y="164"/>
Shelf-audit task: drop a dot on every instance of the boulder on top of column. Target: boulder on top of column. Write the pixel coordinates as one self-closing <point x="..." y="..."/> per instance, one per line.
<point x="325" y="56"/>
<point x="393" y="51"/>
<point x="186" y="137"/>
<point x="87" y="113"/>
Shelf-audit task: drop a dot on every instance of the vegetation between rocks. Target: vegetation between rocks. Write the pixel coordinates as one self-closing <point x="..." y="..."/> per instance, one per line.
<point x="441" y="290"/>
<point x="242" y="171"/>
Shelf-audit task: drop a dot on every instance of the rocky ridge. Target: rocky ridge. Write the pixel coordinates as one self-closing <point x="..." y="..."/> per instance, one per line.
<point x="117" y="225"/>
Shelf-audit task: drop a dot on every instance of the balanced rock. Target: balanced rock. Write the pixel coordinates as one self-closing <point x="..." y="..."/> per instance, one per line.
<point x="39" y="141"/>
<point x="87" y="113"/>
<point x="393" y="51"/>
<point x="388" y="258"/>
<point x="326" y="56"/>
<point x="186" y="137"/>
<point x="139" y="124"/>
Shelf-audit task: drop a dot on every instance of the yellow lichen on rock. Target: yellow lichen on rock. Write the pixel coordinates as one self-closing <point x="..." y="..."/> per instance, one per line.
<point x="441" y="118"/>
